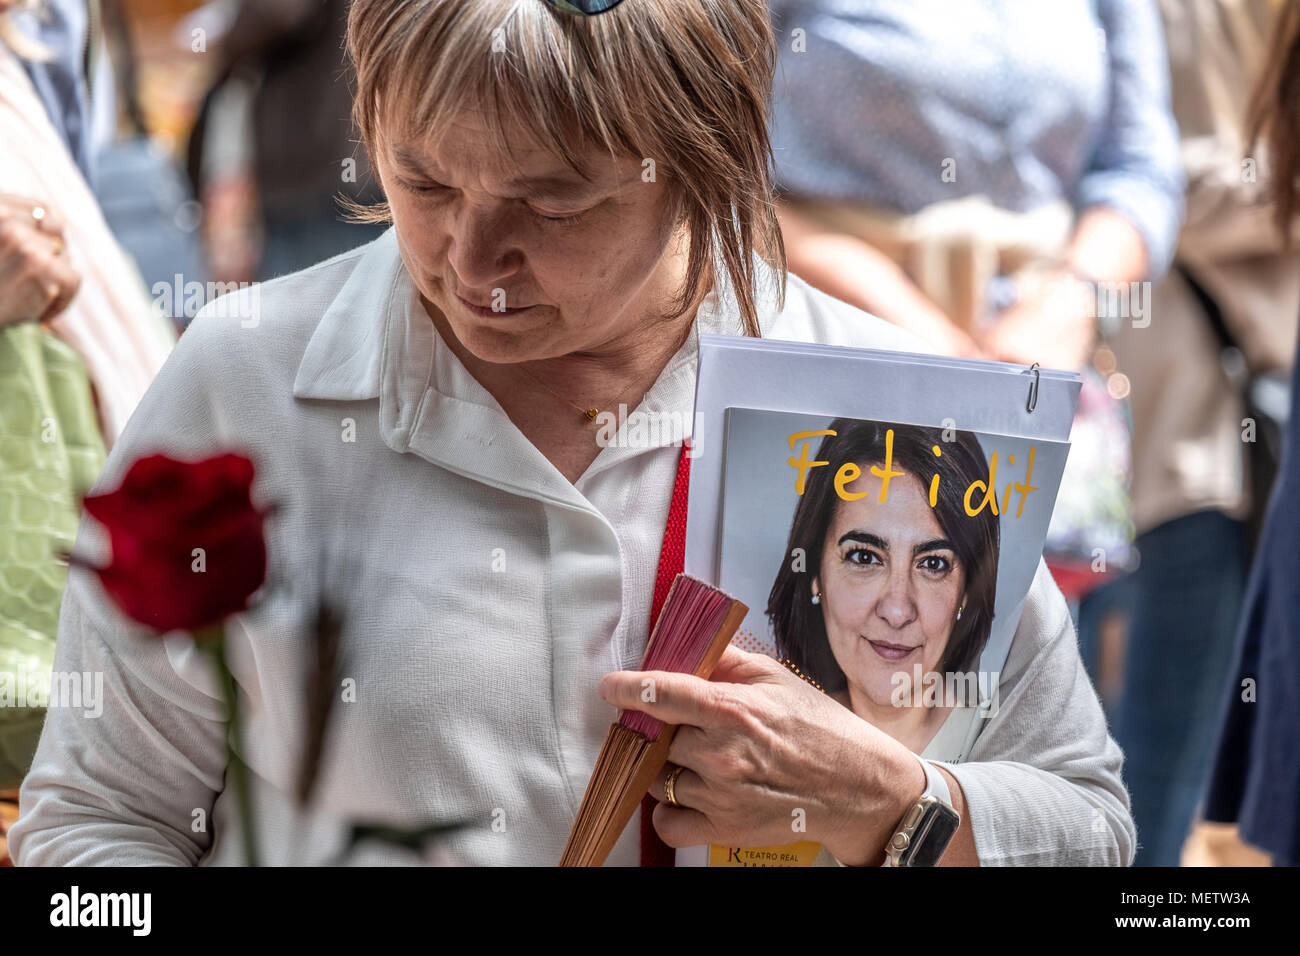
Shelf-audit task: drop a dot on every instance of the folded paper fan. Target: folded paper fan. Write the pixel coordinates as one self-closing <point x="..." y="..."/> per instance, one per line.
<point x="694" y="627"/>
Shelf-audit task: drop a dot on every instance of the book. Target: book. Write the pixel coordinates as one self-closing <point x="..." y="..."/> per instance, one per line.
<point x="883" y="538"/>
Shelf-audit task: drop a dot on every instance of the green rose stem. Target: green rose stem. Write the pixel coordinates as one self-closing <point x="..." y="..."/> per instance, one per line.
<point x="210" y="639"/>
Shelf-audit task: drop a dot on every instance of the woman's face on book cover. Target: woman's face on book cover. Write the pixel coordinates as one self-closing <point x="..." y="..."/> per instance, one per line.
<point x="890" y="585"/>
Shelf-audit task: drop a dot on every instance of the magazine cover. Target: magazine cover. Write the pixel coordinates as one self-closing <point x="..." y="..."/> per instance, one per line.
<point x="885" y="561"/>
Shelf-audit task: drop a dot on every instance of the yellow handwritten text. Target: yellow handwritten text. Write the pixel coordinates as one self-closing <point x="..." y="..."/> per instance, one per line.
<point x="849" y="472"/>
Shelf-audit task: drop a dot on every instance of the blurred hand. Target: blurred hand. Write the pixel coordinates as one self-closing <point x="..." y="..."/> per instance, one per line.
<point x="1055" y="322"/>
<point x="1052" y="326"/>
<point x="36" y="280"/>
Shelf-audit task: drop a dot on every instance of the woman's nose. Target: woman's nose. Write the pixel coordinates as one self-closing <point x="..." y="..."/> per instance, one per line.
<point x="481" y="252"/>
<point x="897" y="606"/>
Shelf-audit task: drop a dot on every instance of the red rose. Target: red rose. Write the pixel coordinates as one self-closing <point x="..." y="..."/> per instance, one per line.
<point x="164" y="511"/>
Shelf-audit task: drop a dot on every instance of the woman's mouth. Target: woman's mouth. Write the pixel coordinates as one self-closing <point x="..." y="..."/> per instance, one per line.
<point x="488" y="312"/>
<point x="891" y="652"/>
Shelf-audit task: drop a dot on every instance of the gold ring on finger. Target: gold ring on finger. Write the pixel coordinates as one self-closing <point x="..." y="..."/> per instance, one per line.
<point x="670" y="782"/>
<point x="56" y="246"/>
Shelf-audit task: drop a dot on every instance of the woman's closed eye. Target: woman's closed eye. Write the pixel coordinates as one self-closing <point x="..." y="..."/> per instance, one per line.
<point x="423" y="189"/>
<point x="550" y="218"/>
<point x="557" y="218"/>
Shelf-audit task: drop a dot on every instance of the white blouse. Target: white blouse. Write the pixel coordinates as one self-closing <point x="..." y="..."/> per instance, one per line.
<point x="484" y="597"/>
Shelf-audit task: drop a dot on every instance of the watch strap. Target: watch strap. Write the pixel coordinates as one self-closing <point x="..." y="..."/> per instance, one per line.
<point x="935" y="785"/>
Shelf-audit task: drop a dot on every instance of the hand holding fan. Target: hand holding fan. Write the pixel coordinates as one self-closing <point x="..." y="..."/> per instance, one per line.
<point x="694" y="627"/>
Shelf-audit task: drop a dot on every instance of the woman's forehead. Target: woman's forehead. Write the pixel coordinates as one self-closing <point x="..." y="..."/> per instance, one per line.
<point x="904" y="515"/>
<point x="513" y="162"/>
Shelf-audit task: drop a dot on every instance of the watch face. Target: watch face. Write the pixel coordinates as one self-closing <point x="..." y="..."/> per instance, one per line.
<point x="932" y="836"/>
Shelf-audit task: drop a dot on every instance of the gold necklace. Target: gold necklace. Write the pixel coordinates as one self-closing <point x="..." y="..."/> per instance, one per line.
<point x="588" y="413"/>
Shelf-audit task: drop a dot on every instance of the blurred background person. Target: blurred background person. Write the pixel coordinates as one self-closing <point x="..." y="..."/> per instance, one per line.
<point x="1255" y="780"/>
<point x="53" y="40"/>
<point x="86" y="75"/>
<point x="112" y="325"/>
<point x="1225" y="315"/>
<point x="140" y="186"/>
<point x="986" y="175"/>
<point x="80" y="342"/>
<point x="273" y="147"/>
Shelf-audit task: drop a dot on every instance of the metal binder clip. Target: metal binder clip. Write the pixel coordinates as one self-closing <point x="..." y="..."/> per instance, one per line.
<point x="1033" y="389"/>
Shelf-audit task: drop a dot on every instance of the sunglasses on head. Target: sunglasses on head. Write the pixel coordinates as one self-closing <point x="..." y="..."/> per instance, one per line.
<point x="584" y="8"/>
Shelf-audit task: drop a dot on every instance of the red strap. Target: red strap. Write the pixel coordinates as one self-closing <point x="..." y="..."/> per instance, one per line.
<point x="672" y="559"/>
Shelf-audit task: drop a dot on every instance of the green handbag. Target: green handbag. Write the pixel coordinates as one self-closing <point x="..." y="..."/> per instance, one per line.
<point x="51" y="453"/>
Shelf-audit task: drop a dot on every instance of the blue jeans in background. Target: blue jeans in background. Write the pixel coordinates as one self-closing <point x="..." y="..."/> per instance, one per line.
<point x="1186" y="598"/>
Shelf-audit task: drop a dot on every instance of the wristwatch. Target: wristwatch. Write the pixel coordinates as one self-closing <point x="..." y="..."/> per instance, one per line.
<point x="927" y="828"/>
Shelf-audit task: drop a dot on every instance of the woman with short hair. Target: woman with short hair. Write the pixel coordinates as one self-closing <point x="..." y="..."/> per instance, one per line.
<point x="574" y="200"/>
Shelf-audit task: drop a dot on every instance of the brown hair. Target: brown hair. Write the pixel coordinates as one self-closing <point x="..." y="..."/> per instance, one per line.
<point x="798" y="625"/>
<point x="683" y="82"/>
<point x="1275" y="116"/>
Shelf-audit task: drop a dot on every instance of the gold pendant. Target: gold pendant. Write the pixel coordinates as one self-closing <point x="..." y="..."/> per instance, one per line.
<point x="591" y="414"/>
